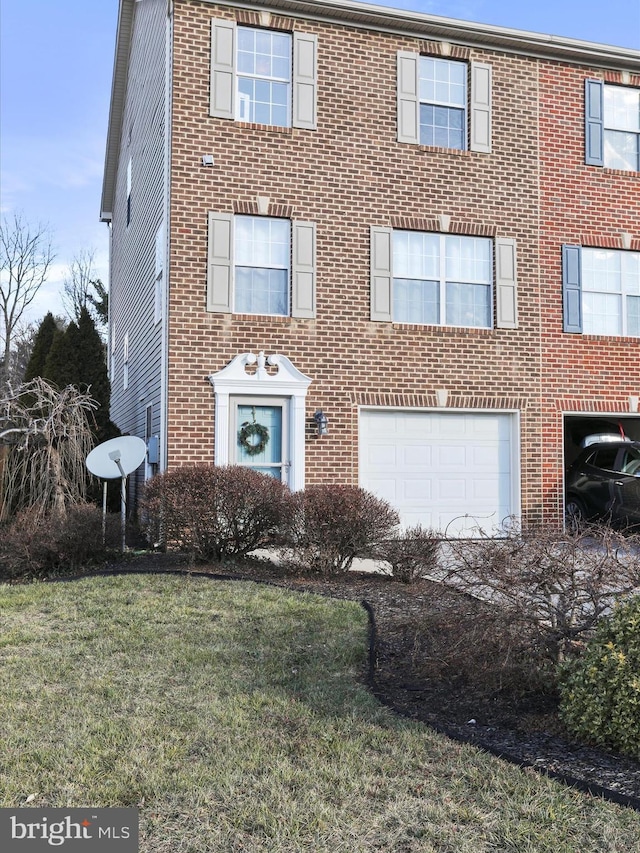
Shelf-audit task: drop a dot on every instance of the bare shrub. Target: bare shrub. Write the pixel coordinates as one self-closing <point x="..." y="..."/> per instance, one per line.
<point x="214" y="513"/>
<point x="411" y="553"/>
<point x="469" y="643"/>
<point x="48" y="437"/>
<point x="33" y="546"/>
<point x="332" y="525"/>
<point x="555" y="585"/>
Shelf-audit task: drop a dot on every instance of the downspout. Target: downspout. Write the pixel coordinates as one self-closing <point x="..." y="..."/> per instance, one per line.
<point x="164" y="360"/>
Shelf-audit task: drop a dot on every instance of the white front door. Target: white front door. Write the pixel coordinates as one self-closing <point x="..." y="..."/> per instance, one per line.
<point x="260" y="436"/>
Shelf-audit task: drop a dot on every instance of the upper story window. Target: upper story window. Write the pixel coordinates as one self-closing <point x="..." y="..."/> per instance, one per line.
<point x="612" y="126"/>
<point x="444" y="102"/>
<point x="442" y="279"/>
<point x="601" y="291"/>
<point x="261" y="265"/>
<point x="622" y="128"/>
<point x="263" y="76"/>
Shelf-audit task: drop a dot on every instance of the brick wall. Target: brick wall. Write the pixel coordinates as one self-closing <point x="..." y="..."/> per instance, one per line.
<point x="350" y="174"/>
<point x="589" y="206"/>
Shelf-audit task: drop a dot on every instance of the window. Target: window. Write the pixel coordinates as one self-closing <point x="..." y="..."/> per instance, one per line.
<point x="158" y="294"/>
<point x="129" y="191"/>
<point x="125" y="361"/>
<point x="442" y="279"/>
<point x="264" y="76"/>
<point x="601" y="291"/>
<point x="444" y="102"/>
<point x="612" y="126"/>
<point x="261" y="265"/>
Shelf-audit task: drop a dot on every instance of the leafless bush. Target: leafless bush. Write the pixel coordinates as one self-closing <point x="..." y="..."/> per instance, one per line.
<point x="214" y="513"/>
<point x="411" y="553"/>
<point x="332" y="525"/>
<point x="33" y="546"/>
<point x="554" y="585"/>
<point x="47" y="436"/>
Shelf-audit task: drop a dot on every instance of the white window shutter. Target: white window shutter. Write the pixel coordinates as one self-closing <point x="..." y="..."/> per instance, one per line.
<point x="506" y="284"/>
<point x="480" y="107"/>
<point x="305" y="49"/>
<point x="220" y="262"/>
<point x="223" y="68"/>
<point x="381" y="274"/>
<point x="408" y="95"/>
<point x="303" y="269"/>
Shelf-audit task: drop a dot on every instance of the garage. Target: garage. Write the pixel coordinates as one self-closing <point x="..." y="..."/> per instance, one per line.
<point x="449" y="471"/>
<point x="580" y="429"/>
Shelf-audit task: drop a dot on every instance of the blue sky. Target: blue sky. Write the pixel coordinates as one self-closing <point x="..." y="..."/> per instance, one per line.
<point x="56" y="62"/>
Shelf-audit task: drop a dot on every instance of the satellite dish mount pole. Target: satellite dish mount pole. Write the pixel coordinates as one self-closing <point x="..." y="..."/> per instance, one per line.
<point x="115" y="456"/>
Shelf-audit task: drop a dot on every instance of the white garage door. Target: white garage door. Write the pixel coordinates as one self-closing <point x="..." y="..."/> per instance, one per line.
<point x="447" y="471"/>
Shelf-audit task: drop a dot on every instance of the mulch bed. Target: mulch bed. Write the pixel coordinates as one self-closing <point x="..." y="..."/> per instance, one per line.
<point x="522" y="726"/>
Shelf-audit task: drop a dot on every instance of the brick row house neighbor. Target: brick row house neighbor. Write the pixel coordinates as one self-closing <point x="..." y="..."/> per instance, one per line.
<point x="405" y="245"/>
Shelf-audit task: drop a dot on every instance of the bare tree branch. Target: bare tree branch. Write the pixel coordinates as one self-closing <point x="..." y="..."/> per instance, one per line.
<point x="48" y="437"/>
<point x="26" y="256"/>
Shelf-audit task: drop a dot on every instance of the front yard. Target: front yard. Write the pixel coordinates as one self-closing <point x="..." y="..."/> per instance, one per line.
<point x="235" y="718"/>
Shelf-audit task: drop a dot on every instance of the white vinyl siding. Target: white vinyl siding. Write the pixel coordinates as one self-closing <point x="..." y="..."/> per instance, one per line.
<point x="136" y="264"/>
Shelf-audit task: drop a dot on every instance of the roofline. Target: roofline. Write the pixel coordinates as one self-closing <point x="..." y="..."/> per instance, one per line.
<point x="373" y="17"/>
<point x="421" y="25"/>
<point x="116" y="109"/>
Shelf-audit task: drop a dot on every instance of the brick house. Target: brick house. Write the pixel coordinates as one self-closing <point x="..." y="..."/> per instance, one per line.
<point x="426" y="231"/>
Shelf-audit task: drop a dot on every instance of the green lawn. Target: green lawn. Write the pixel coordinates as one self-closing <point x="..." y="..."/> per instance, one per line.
<point x="233" y="716"/>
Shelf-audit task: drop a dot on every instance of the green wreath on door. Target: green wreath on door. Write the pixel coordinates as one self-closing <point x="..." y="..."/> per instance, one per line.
<point x="249" y="432"/>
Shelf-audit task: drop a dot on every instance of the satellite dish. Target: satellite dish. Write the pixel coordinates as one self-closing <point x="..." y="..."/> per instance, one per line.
<point x="117" y="457"/>
<point x="112" y="460"/>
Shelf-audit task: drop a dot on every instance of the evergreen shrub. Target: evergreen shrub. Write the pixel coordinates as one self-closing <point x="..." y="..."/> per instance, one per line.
<point x="600" y="690"/>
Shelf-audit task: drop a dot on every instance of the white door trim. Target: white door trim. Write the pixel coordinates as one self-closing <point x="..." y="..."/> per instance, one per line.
<point x="235" y="380"/>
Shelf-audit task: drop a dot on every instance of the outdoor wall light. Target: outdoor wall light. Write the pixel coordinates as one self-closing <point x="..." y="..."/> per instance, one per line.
<point x="322" y="422"/>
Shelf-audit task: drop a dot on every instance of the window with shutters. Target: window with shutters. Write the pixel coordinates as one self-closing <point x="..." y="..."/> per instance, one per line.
<point x="612" y="126"/>
<point x="263" y="76"/>
<point x="444" y="102"/>
<point x="443" y="279"/>
<point x="261" y="265"/>
<point x="601" y="291"/>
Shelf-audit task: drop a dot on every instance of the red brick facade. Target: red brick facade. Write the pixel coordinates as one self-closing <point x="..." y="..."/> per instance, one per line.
<point x="350" y="174"/>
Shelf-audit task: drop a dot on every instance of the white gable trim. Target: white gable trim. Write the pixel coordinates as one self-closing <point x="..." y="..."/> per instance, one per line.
<point x="233" y="380"/>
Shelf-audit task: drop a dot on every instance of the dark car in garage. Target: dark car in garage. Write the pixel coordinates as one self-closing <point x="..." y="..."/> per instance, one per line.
<point x="603" y="484"/>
